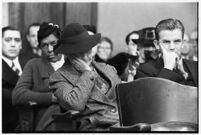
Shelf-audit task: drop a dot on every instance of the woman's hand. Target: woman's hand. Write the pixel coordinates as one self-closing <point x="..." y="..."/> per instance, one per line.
<point x="80" y="64"/>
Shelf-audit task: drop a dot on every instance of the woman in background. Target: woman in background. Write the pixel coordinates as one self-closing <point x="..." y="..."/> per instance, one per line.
<point x="104" y="50"/>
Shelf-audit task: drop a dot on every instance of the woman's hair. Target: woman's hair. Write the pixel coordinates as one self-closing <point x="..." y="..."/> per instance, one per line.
<point x="169" y="24"/>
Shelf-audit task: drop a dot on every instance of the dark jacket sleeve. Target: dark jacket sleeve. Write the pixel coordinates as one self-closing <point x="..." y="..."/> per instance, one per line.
<point x="23" y="92"/>
<point x="72" y="96"/>
<point x="150" y="71"/>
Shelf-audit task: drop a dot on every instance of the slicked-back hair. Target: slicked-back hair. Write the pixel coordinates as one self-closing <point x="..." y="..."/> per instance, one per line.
<point x="128" y="36"/>
<point x="169" y="24"/>
<point x="10" y="28"/>
<point x="36" y="24"/>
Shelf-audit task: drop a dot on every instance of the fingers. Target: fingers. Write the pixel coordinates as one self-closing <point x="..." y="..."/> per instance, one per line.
<point x="163" y="49"/>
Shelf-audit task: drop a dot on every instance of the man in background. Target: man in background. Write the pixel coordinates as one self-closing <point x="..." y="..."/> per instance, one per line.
<point x="170" y="65"/>
<point x="12" y="66"/>
<point x="32" y="50"/>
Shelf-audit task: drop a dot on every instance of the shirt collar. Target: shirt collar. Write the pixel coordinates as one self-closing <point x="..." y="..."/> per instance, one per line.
<point x="9" y="61"/>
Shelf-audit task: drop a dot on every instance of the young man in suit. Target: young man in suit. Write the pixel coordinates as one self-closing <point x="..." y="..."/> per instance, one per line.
<point x="170" y="65"/>
<point x="12" y="65"/>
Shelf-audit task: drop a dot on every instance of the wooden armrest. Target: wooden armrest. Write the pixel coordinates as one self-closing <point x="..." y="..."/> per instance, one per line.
<point x="67" y="115"/>
<point x="140" y="127"/>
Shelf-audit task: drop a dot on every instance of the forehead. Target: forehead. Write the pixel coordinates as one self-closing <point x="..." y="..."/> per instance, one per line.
<point x="49" y="38"/>
<point x="34" y="29"/>
<point x="170" y="34"/>
<point x="105" y="43"/>
<point x="12" y="33"/>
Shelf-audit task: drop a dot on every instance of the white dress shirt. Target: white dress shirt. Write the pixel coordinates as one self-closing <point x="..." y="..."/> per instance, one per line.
<point x="58" y="64"/>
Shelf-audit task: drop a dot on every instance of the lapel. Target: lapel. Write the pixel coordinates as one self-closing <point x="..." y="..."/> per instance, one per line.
<point x="46" y="68"/>
<point x="192" y="67"/>
<point x="22" y="60"/>
<point x="8" y="74"/>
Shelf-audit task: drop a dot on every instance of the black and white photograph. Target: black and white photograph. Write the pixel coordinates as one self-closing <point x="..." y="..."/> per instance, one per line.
<point x="100" y="67"/>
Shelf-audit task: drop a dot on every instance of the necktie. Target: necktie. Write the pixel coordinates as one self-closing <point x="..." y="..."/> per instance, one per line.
<point x="14" y="68"/>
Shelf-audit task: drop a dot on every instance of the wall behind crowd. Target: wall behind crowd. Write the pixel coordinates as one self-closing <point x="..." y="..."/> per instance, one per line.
<point x="116" y="20"/>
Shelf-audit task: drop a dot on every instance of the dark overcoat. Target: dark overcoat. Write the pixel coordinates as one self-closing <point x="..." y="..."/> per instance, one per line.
<point x="9" y="80"/>
<point x="155" y="69"/>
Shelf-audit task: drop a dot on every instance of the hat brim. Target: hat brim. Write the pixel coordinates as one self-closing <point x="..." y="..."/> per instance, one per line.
<point x="82" y="46"/>
<point x="146" y="43"/>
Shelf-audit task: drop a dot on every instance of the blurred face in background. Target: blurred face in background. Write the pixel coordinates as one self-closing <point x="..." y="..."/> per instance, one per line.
<point x="132" y="44"/>
<point x="104" y="50"/>
<point x="11" y="44"/>
<point x="47" y="45"/>
<point x="32" y="36"/>
<point x="194" y="41"/>
<point x="94" y="49"/>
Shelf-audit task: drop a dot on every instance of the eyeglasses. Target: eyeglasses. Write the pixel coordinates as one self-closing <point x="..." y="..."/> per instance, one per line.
<point x="104" y="48"/>
<point x="53" y="43"/>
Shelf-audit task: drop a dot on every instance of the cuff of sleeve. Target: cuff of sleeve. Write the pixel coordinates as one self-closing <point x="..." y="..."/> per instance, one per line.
<point x="169" y="74"/>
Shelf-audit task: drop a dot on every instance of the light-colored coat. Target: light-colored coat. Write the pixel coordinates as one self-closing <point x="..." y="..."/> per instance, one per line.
<point x="77" y="91"/>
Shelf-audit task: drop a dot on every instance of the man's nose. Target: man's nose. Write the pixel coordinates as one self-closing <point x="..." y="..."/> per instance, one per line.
<point x="13" y="43"/>
<point x="172" y="46"/>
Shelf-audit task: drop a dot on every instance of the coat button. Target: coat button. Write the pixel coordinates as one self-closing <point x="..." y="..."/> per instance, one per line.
<point x="113" y="110"/>
<point x="92" y="78"/>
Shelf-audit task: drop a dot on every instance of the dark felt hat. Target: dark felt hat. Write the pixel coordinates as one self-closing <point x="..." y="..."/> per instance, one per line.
<point x="75" y="39"/>
<point x="47" y="28"/>
<point x="146" y="36"/>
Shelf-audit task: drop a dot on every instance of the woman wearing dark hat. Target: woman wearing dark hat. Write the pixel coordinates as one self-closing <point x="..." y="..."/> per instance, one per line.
<point x="32" y="87"/>
<point x="83" y="85"/>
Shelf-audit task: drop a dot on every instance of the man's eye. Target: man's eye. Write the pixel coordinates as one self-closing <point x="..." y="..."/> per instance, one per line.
<point x="17" y="39"/>
<point x="53" y="43"/>
<point x="44" y="44"/>
<point x="8" y="39"/>
<point x="166" y="42"/>
<point x="177" y="41"/>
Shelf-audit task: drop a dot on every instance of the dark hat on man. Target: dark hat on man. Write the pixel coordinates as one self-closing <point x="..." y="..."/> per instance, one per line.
<point x="47" y="28"/>
<point x="146" y="36"/>
<point x="75" y="39"/>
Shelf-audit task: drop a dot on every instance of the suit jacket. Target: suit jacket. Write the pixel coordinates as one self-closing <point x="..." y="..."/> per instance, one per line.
<point x="9" y="80"/>
<point x="33" y="86"/>
<point x="155" y="69"/>
<point x="77" y="91"/>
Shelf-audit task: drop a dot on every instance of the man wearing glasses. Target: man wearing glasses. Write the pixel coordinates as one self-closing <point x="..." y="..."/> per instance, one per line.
<point x="169" y="40"/>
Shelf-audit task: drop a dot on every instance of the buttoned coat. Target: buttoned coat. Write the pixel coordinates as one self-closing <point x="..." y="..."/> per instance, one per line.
<point x="77" y="91"/>
<point x="33" y="86"/>
<point x="9" y="80"/>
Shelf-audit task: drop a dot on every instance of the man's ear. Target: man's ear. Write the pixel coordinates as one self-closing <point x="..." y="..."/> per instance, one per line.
<point x="156" y="44"/>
